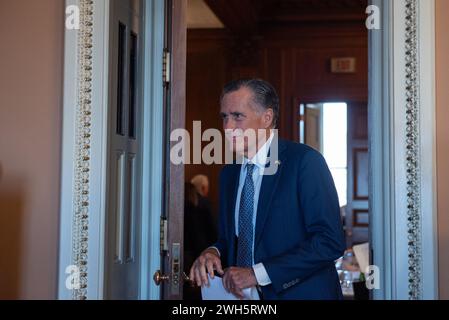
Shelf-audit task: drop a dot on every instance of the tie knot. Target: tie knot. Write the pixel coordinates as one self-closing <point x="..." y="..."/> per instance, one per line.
<point x="250" y="168"/>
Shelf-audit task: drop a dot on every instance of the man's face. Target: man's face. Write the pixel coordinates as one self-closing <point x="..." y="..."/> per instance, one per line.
<point x="239" y="113"/>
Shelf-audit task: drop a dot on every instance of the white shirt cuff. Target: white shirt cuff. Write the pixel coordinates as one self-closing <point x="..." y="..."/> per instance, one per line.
<point x="216" y="249"/>
<point x="263" y="279"/>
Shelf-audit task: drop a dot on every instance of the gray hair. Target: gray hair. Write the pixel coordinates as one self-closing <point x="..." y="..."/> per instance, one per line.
<point x="199" y="181"/>
<point x="264" y="94"/>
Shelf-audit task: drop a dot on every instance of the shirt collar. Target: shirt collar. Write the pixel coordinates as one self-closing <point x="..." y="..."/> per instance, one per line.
<point x="260" y="158"/>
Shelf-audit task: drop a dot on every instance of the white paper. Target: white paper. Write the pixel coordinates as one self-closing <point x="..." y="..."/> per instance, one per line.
<point x="361" y="252"/>
<point x="216" y="291"/>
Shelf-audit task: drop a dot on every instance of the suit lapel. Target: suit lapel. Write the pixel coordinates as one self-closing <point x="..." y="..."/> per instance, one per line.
<point x="234" y="183"/>
<point x="267" y="190"/>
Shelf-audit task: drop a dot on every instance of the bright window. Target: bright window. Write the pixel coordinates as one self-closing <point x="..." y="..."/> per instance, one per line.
<point x="335" y="128"/>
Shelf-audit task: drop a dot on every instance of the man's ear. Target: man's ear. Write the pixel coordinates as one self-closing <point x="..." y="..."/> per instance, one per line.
<point x="268" y="118"/>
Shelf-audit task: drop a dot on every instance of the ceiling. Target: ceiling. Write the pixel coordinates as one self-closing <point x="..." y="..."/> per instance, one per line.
<point x="200" y="16"/>
<point x="247" y="16"/>
<point x="310" y="10"/>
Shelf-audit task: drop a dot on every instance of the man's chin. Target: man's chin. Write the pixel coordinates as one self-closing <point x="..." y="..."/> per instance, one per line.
<point x="235" y="147"/>
<point x="239" y="150"/>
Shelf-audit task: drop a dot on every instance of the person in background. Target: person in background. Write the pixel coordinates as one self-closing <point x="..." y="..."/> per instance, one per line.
<point x="201" y="183"/>
<point x="192" y="239"/>
<point x="199" y="232"/>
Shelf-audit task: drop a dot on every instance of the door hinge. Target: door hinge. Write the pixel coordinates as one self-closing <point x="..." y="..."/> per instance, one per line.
<point x="166" y="67"/>
<point x="164" y="235"/>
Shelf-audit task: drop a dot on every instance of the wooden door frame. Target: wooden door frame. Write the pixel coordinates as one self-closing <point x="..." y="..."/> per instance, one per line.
<point x="321" y="99"/>
<point x="175" y="109"/>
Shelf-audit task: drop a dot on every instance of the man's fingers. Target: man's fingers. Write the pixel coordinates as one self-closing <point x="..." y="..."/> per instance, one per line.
<point x="226" y="282"/>
<point x="210" y="268"/>
<point x="197" y="277"/>
<point x="203" y="275"/>
<point x="192" y="274"/>
<point x="238" y="293"/>
<point x="230" y="280"/>
<point x="204" y="265"/>
<point x="218" y="267"/>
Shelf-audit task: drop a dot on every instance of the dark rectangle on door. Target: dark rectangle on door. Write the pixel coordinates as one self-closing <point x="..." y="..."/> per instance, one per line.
<point x="121" y="78"/>
<point x="132" y="86"/>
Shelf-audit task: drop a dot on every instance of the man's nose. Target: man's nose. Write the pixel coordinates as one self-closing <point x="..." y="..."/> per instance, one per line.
<point x="229" y="125"/>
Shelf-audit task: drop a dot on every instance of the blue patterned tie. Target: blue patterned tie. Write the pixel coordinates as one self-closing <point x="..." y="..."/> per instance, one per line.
<point x="246" y="211"/>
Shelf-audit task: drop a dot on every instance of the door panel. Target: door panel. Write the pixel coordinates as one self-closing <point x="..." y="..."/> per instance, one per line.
<point x="313" y="127"/>
<point x="123" y="224"/>
<point x="357" y="213"/>
<point x="130" y="212"/>
<point x="122" y="221"/>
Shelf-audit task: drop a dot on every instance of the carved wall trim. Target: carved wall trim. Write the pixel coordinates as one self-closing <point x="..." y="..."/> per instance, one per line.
<point x="83" y="126"/>
<point x="413" y="150"/>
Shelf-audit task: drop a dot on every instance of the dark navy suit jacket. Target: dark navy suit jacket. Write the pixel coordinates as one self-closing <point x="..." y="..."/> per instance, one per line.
<point x="298" y="233"/>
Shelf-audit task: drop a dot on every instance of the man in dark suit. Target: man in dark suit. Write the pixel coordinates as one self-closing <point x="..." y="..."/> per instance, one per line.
<point x="278" y="232"/>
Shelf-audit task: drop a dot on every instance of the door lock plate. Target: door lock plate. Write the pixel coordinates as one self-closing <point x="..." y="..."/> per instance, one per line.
<point x="176" y="269"/>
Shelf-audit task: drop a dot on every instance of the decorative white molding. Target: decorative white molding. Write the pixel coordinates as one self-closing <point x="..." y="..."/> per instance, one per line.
<point x="83" y="136"/>
<point x="74" y="117"/>
<point x="82" y="212"/>
<point x="67" y="157"/>
<point x="427" y="151"/>
<point x="412" y="144"/>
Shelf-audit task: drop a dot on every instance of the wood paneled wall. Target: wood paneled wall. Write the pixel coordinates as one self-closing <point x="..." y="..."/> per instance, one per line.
<point x="295" y="59"/>
<point x="207" y="73"/>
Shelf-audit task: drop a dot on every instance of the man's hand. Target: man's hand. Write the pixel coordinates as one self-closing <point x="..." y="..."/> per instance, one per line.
<point x="204" y="265"/>
<point x="237" y="279"/>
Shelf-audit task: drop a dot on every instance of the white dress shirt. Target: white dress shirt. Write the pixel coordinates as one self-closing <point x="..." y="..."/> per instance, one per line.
<point x="260" y="161"/>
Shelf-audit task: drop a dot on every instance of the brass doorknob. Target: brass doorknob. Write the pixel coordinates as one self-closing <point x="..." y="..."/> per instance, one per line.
<point x="159" y="278"/>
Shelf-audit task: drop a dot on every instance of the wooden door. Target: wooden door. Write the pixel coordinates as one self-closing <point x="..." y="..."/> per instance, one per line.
<point x="170" y="276"/>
